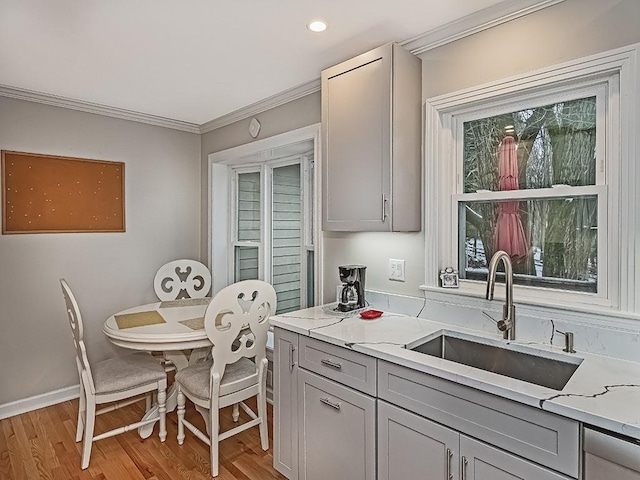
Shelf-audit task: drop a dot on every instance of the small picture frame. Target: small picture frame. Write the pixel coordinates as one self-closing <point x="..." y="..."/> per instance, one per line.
<point x="448" y="278"/>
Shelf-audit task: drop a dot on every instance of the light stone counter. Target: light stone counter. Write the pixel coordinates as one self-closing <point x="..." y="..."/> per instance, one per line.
<point x="604" y="391"/>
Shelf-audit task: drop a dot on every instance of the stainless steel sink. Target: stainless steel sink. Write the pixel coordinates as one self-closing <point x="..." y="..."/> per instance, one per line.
<point x="547" y="371"/>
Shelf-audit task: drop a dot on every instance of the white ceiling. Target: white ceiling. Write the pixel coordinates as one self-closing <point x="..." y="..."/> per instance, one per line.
<point x="196" y="60"/>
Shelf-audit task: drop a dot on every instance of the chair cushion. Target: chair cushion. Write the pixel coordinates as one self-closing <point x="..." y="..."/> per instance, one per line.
<point x="123" y="373"/>
<point x="196" y="379"/>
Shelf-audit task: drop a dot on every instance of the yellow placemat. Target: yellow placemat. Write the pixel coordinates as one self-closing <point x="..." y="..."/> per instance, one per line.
<point x="185" y="302"/>
<point x="194" y="323"/>
<point x="140" y="319"/>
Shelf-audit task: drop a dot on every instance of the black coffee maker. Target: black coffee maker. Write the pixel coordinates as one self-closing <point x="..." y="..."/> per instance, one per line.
<point x="352" y="293"/>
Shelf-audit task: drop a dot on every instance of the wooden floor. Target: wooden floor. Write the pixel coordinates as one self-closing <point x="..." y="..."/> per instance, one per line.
<point x="40" y="444"/>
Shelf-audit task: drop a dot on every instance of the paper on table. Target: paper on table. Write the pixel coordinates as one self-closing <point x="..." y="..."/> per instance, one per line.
<point x="140" y="319"/>
<point x="194" y="323"/>
<point x="185" y="302"/>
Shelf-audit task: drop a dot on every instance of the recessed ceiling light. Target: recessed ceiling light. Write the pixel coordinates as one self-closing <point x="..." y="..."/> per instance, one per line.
<point x="317" y="26"/>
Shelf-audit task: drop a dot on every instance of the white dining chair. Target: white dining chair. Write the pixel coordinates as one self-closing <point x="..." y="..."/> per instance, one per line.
<point x="112" y="380"/>
<point x="182" y="279"/>
<point x="236" y="322"/>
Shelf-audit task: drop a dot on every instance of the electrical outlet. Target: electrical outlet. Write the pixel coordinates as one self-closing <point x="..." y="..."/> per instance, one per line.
<point x="396" y="270"/>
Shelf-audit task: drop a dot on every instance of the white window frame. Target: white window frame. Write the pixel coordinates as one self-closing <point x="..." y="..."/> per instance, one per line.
<point x="617" y="72"/>
<point x="220" y="205"/>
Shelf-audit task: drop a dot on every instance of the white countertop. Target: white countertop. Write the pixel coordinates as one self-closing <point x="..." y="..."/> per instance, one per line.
<point x="604" y="391"/>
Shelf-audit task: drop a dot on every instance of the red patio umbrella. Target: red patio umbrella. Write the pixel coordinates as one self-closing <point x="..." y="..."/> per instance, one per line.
<point x="509" y="235"/>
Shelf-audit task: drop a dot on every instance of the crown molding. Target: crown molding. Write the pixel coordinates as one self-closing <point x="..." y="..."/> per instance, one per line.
<point x="497" y="14"/>
<point x="263" y="105"/>
<point x="96" y="108"/>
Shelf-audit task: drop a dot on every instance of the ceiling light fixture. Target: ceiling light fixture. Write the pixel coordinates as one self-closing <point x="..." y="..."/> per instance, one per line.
<point x="317" y="26"/>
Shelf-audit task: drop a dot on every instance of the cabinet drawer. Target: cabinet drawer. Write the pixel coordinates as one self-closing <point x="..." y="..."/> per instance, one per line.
<point x="340" y="364"/>
<point x="542" y="437"/>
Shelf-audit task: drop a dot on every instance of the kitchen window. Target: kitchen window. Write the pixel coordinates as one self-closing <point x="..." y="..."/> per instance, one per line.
<point x="532" y="183"/>
<point x="541" y="166"/>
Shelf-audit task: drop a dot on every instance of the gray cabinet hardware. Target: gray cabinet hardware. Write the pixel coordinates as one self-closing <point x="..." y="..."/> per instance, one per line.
<point x="335" y="405"/>
<point x="384" y="208"/>
<point x="331" y="363"/>
<point x="292" y="362"/>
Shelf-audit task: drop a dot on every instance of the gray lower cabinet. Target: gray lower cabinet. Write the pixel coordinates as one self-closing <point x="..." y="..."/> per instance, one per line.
<point x="540" y="437"/>
<point x="285" y="403"/>
<point x="336" y="427"/>
<point x="479" y="461"/>
<point x="322" y="428"/>
<point x="339" y="414"/>
<point x="410" y="446"/>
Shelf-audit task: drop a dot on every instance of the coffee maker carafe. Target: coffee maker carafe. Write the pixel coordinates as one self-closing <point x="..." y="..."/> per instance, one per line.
<point x="352" y="293"/>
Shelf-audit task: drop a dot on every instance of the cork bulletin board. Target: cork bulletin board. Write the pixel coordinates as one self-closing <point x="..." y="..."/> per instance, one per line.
<point x="51" y="194"/>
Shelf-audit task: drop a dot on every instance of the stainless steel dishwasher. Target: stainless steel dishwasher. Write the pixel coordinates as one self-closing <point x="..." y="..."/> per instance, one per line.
<point x="609" y="457"/>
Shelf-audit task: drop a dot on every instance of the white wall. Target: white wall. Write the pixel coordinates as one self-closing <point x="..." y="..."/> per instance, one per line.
<point x="107" y="271"/>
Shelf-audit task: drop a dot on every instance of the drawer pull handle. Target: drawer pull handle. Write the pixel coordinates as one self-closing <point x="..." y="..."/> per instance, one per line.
<point x="463" y="468"/>
<point x="326" y="401"/>
<point x="291" y="362"/>
<point x="329" y="363"/>
<point x="449" y="455"/>
<point x="384" y="208"/>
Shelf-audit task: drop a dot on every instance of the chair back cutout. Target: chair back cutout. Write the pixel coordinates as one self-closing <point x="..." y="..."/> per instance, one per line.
<point x="77" y="329"/>
<point x="182" y="279"/>
<point x="237" y="321"/>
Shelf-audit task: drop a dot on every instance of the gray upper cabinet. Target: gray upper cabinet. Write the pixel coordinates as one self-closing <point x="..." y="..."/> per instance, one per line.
<point x="371" y="134"/>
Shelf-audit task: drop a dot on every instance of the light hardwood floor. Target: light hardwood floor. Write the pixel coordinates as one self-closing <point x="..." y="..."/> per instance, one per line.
<point x="40" y="445"/>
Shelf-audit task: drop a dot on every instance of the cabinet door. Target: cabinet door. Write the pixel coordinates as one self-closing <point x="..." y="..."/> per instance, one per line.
<point x="336" y="430"/>
<point x="410" y="446"/>
<point x="479" y="461"/>
<point x="285" y="403"/>
<point x="356" y="122"/>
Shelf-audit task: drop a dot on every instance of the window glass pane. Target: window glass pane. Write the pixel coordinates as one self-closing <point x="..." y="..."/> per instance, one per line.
<point x="552" y="242"/>
<point x="287" y="237"/>
<point x="249" y="206"/>
<point x="246" y="263"/>
<point x="532" y="148"/>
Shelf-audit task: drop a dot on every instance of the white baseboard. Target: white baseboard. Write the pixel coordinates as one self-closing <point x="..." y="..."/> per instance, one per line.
<point x="39" y="401"/>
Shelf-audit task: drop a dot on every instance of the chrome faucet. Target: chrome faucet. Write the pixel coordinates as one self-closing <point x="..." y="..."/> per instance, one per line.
<point x="508" y="323"/>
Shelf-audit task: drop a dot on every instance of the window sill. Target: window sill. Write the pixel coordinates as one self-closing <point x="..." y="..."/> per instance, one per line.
<point x="473" y="296"/>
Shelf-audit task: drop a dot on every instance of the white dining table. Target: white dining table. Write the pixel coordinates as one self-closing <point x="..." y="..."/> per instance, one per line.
<point x="175" y="328"/>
